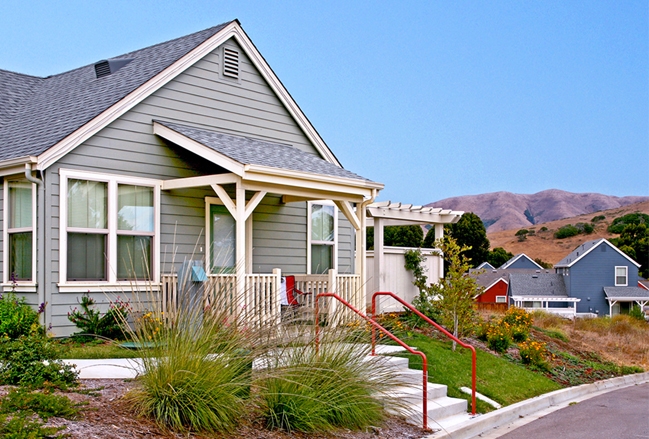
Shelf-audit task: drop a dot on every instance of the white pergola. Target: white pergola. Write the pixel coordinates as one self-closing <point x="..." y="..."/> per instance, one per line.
<point x="387" y="213"/>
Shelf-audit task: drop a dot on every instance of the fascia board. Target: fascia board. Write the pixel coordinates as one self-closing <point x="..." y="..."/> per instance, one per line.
<point x="198" y="149"/>
<point x="204" y="180"/>
<point x="302" y="192"/>
<point x="135" y="97"/>
<point x="307" y="176"/>
<point x="284" y="96"/>
<point x="602" y="241"/>
<point x="9" y="167"/>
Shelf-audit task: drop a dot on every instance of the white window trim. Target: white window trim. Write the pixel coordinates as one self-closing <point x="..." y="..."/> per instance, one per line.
<point x="626" y="276"/>
<point x="503" y="299"/>
<point x="208" y="254"/>
<point x="112" y="180"/>
<point x="308" y="234"/>
<point x="6" y="278"/>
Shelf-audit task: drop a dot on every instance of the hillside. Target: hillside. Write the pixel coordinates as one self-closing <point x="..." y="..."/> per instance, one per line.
<point x="505" y="210"/>
<point x="543" y="244"/>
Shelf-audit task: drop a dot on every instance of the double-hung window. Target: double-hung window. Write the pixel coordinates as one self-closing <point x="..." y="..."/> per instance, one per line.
<point x="323" y="226"/>
<point x="109" y="227"/>
<point x="19" y="219"/>
<point x="621" y="279"/>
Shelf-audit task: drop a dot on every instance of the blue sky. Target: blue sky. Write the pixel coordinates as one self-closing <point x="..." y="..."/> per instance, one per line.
<point x="432" y="98"/>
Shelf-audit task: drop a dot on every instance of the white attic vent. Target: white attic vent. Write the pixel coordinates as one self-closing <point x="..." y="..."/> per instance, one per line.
<point x="230" y="63"/>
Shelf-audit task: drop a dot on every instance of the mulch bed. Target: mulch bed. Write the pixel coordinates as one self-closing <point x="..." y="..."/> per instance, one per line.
<point x="105" y="415"/>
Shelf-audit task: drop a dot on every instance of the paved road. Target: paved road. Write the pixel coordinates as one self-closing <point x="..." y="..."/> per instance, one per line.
<point x="620" y="414"/>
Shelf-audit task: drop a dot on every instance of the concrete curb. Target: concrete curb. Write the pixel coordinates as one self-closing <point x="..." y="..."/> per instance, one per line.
<point x="482" y="423"/>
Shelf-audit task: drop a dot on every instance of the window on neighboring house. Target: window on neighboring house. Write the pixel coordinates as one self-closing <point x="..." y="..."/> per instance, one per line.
<point x="20" y="229"/>
<point x="110" y="228"/>
<point x="621" y="276"/>
<point x="322" y="237"/>
<point x="501" y="299"/>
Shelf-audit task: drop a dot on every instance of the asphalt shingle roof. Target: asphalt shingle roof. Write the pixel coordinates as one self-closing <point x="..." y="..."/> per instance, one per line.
<point x="626" y="292"/>
<point x="537" y="285"/>
<point x="249" y="151"/>
<point x="36" y="113"/>
<point x="577" y="253"/>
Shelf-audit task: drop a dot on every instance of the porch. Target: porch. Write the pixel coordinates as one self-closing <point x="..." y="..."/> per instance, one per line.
<point x="260" y="303"/>
<point x="562" y="306"/>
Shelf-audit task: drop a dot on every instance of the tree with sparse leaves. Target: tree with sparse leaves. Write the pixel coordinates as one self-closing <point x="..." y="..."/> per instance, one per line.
<point x="452" y="298"/>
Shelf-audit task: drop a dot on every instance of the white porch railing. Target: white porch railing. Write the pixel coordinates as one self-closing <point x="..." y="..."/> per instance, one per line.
<point x="261" y="302"/>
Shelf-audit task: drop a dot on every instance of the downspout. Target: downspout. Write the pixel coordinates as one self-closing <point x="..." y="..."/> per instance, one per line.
<point x="40" y="238"/>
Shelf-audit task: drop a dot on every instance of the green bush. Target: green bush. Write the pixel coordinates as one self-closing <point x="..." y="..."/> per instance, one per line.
<point x="32" y="361"/>
<point x="498" y="338"/>
<point x="24" y="426"/>
<point x="618" y="224"/>
<point x="566" y="232"/>
<point x="533" y="353"/>
<point x="45" y="405"/>
<point x="636" y="313"/>
<point x="92" y="323"/>
<point x="598" y="218"/>
<point x="18" y="318"/>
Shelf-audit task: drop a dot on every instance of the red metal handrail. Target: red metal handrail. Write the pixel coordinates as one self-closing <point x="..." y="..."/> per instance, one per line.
<point x="444" y="331"/>
<point x="389" y="334"/>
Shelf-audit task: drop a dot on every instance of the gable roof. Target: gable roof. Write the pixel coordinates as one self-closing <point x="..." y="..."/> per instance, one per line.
<point x="537" y="285"/>
<point x="485" y="266"/>
<point x="582" y="250"/>
<point x="248" y="151"/>
<point x="517" y="257"/>
<point x="47" y="117"/>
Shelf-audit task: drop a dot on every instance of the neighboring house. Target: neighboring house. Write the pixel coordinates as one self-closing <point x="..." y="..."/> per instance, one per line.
<point x="190" y="150"/>
<point x="542" y="290"/>
<point x="603" y="278"/>
<point x="643" y="283"/>
<point x="485" y="266"/>
<point x="495" y="283"/>
<point x="521" y="261"/>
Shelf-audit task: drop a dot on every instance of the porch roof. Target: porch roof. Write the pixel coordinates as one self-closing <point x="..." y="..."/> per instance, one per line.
<point x="626" y="293"/>
<point x="398" y="214"/>
<point x="260" y="163"/>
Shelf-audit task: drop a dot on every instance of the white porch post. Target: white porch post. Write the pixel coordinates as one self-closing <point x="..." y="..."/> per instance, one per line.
<point x="439" y="234"/>
<point x="240" y="246"/>
<point x="379" y="275"/>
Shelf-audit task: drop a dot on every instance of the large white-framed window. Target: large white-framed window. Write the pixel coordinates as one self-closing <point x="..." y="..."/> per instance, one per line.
<point x="322" y="248"/>
<point x="621" y="276"/>
<point x="220" y="253"/>
<point x="109" y="228"/>
<point x="19" y="218"/>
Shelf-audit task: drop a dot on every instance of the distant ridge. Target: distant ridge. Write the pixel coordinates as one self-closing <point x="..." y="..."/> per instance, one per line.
<point x="505" y="210"/>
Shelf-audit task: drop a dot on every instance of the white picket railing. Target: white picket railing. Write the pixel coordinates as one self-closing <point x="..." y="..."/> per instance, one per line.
<point x="261" y="302"/>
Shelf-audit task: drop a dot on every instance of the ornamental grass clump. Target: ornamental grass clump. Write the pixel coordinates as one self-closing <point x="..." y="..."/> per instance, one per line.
<point x="196" y="366"/>
<point x="336" y="386"/>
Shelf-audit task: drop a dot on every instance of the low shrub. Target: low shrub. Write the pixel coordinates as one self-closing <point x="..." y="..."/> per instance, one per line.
<point x="92" y="323"/>
<point x="557" y="333"/>
<point x="566" y="232"/>
<point x="498" y="337"/>
<point x="24" y="426"/>
<point x="17" y="318"/>
<point x="598" y="218"/>
<point x="519" y="323"/>
<point x="636" y="313"/>
<point x="533" y="353"/>
<point x="32" y="361"/>
<point x="45" y="405"/>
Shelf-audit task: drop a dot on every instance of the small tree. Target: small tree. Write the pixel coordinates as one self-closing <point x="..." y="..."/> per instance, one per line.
<point x="453" y="296"/>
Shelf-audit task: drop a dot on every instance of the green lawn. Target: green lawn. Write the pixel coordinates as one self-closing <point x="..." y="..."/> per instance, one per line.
<point x="497" y="378"/>
<point x="92" y="351"/>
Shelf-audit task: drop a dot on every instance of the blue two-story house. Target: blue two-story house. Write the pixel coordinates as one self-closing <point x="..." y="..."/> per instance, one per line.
<point x="603" y="277"/>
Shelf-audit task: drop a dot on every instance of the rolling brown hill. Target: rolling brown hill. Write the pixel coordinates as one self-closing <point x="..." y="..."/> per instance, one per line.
<point x="543" y="244"/>
<point x="505" y="210"/>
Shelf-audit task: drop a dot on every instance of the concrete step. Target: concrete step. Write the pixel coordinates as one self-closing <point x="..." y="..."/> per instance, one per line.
<point x="414" y="394"/>
<point x="438" y="409"/>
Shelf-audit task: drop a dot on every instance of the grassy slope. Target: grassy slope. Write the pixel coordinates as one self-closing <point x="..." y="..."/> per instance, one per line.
<point x="497" y="378"/>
